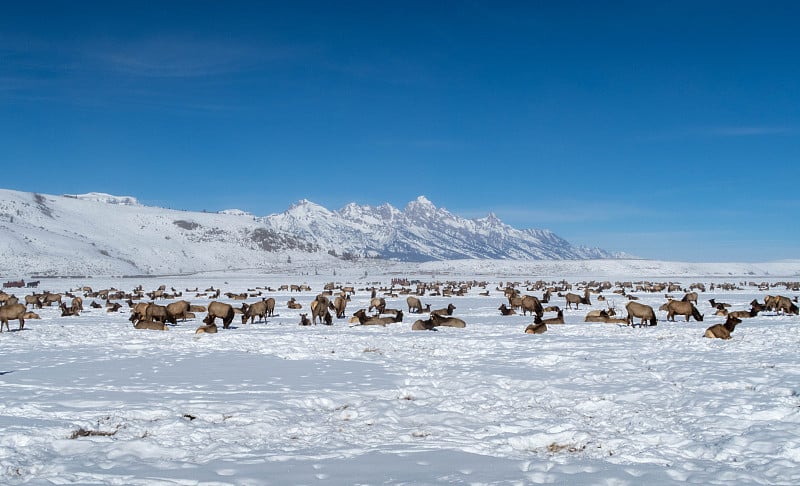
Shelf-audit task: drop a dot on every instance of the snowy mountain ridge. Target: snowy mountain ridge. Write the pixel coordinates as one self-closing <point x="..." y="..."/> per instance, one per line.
<point x="101" y="234"/>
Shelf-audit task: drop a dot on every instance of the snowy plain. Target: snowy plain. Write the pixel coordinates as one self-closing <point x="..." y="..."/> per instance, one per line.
<point x="277" y="403"/>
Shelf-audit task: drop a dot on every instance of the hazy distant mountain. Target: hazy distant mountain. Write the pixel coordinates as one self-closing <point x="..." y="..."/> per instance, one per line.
<point x="101" y="234"/>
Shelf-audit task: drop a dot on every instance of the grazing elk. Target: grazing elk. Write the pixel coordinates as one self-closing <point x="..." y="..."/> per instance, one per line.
<point x="531" y="304"/>
<point x="178" y="310"/>
<point x="682" y="308"/>
<point x="642" y="311"/>
<point x="250" y="312"/>
<point x="377" y="303"/>
<point x="723" y="331"/>
<point x="222" y="310"/>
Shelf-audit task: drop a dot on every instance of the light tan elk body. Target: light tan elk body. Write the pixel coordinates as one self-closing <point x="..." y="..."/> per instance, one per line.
<point x="222" y="310"/>
<point x="9" y="312"/>
<point x="681" y="308"/>
<point x="577" y="299"/>
<point x="440" y="320"/>
<point x="365" y="320"/>
<point x="642" y="311"/>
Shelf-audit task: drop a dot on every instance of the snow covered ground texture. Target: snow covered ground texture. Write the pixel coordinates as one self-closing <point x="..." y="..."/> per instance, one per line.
<point x="276" y="403"/>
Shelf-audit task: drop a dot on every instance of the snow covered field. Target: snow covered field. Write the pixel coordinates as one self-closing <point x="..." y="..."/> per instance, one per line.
<point x="90" y="400"/>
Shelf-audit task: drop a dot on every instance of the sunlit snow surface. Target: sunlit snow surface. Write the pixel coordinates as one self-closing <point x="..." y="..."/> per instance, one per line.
<point x="276" y="403"/>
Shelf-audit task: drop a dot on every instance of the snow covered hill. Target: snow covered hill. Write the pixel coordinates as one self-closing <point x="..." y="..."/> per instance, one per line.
<point x="101" y="234"/>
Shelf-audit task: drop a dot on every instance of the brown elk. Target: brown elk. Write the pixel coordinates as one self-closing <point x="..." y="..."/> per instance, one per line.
<point x="681" y="308"/>
<point x="339" y="305"/>
<point x="207" y="329"/>
<point x="723" y="331"/>
<point x="250" y="312"/>
<point x="531" y="304"/>
<point x="179" y="309"/>
<point x="222" y="310"/>
<point x="319" y="306"/>
<point x="577" y="299"/>
<point x="423" y="325"/>
<point x="304" y="320"/>
<point x="690" y="297"/>
<point x="642" y="311"/>
<point x="559" y="319"/>
<point x="441" y="320"/>
<point x="446" y="311"/>
<point x="535" y="328"/>
<point x="9" y="312"/>
<point x="152" y="325"/>
<point x="505" y="311"/>
<point x="68" y="311"/>
<point x="292" y="304"/>
<point x="34" y="300"/>
<point x="377" y="303"/>
<point x="414" y="305"/>
<point x="365" y="320"/>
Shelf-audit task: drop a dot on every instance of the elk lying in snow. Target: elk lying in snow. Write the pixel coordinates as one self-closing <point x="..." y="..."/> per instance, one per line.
<point x="207" y="329"/>
<point x="743" y="314"/>
<point x="505" y="311"/>
<point x="723" y="331"/>
<point x="535" y="328"/>
<point x="68" y="311"/>
<point x="682" y="308"/>
<point x="152" y="325"/>
<point x="447" y="311"/>
<point x="718" y="305"/>
<point x="304" y="320"/>
<point x="9" y="312"/>
<point x="292" y="304"/>
<point x="423" y="325"/>
<point x="642" y="311"/>
<point x="559" y="319"/>
<point x="440" y="320"/>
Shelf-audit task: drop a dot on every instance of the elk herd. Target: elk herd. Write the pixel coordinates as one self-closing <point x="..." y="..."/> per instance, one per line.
<point x="152" y="311"/>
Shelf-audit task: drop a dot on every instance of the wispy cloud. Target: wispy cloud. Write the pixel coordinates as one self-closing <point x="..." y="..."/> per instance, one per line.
<point x="724" y="131"/>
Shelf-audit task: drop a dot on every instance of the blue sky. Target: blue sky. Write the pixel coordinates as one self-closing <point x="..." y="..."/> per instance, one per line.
<point x="669" y="130"/>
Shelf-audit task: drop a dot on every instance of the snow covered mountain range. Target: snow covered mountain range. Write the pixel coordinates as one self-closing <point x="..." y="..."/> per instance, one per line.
<point x="101" y="234"/>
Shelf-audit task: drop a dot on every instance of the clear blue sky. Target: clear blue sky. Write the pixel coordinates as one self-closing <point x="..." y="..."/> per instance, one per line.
<point x="670" y="130"/>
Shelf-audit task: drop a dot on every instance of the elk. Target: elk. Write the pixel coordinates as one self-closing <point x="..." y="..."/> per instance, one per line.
<point x="723" y="331"/>
<point x="535" y="328"/>
<point x="690" y="297"/>
<point x="250" y="312"/>
<point x="152" y="325"/>
<point x="642" y="311"/>
<point x="559" y="319"/>
<point x="577" y="299"/>
<point x="447" y="311"/>
<point x="178" y="309"/>
<point x="292" y="304"/>
<point x="441" y="320"/>
<point x="34" y="300"/>
<point x="339" y="305"/>
<point x="207" y="329"/>
<point x="505" y="311"/>
<point x="319" y="306"/>
<point x="423" y="325"/>
<point x="531" y="304"/>
<point x="9" y="312"/>
<point x="681" y="307"/>
<point x="377" y="303"/>
<point x="304" y="320"/>
<point x="365" y="320"/>
<point x="222" y="310"/>
<point x="414" y="305"/>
